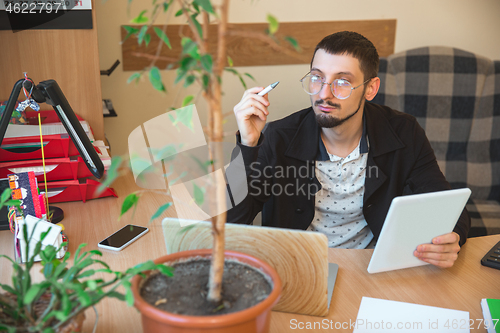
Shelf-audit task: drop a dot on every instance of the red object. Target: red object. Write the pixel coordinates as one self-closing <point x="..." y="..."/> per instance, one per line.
<point x="252" y="320"/>
<point x="58" y="145"/>
<point x="47" y="116"/>
<point x="67" y="168"/>
<point x="77" y="190"/>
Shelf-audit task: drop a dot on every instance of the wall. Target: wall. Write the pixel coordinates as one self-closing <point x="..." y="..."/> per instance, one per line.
<point x="465" y="24"/>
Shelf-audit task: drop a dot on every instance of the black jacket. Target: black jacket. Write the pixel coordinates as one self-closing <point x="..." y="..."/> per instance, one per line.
<point x="400" y="161"/>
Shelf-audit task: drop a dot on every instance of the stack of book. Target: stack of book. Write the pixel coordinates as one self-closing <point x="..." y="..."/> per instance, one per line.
<point x="68" y="178"/>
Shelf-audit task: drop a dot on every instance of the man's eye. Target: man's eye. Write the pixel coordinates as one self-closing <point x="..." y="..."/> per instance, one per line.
<point x="315" y="78"/>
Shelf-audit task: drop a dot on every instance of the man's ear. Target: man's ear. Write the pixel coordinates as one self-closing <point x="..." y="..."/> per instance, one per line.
<point x="372" y="88"/>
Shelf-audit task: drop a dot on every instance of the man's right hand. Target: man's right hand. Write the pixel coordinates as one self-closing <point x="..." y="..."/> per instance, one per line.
<point x="251" y="115"/>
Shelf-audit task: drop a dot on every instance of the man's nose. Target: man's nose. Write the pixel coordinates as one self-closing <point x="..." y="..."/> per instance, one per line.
<point x="325" y="92"/>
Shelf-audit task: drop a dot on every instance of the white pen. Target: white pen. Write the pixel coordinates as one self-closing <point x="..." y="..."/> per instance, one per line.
<point x="268" y="88"/>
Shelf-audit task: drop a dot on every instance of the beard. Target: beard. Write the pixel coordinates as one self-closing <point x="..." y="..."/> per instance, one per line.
<point x="328" y="121"/>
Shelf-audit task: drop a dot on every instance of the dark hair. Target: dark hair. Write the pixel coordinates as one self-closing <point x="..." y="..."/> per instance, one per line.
<point x="355" y="45"/>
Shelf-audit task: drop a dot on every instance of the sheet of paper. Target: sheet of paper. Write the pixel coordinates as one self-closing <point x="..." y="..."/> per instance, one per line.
<point x="380" y="315"/>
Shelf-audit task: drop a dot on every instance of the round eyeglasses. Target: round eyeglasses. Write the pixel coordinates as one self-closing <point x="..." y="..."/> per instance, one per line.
<point x="340" y="88"/>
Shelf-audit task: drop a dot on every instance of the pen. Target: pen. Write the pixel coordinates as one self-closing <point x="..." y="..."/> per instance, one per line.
<point x="268" y="88"/>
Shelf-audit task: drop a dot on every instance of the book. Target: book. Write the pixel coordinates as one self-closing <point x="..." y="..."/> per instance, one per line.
<point x="491" y="314"/>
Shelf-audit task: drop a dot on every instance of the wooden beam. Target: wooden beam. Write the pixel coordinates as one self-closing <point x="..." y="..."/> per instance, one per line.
<point x="248" y="51"/>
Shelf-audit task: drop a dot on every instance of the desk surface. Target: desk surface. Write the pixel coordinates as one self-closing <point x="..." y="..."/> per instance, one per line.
<point x="460" y="287"/>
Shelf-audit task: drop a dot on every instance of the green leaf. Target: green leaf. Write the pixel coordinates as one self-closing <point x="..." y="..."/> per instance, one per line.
<point x="190" y="47"/>
<point x="160" y="210"/>
<point x="30" y="296"/>
<point x="250" y="76"/>
<point x="294" y="43"/>
<point x="117" y="295"/>
<point x="135" y="76"/>
<point x="129" y="297"/>
<point x="196" y="7"/>
<point x="273" y="24"/>
<point x="206" y="5"/>
<point x="179" y="13"/>
<point x="165" y="270"/>
<point x="163" y="36"/>
<point x="87" y="273"/>
<point x="197" y="25"/>
<point x="165" y="7"/>
<point x="147" y="39"/>
<point x="16" y="203"/>
<point x="6" y="195"/>
<point x="206" y="80"/>
<point x="206" y="62"/>
<point x="155" y="79"/>
<point x="230" y="61"/>
<point x="180" y="75"/>
<point x="130" y="201"/>
<point x="130" y="31"/>
<point x="140" y="19"/>
<point x="185" y="116"/>
<point x="187" y="63"/>
<point x="187" y="100"/>
<point x="142" y="34"/>
<point x="199" y="195"/>
<point x="189" y="80"/>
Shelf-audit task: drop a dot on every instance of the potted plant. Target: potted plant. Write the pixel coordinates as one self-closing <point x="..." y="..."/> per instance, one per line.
<point x="57" y="303"/>
<point x="197" y="65"/>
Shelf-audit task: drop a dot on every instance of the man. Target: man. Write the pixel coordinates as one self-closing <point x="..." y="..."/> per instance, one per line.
<point x="336" y="166"/>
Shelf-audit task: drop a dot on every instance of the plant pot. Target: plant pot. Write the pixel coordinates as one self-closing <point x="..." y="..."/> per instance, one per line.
<point x="253" y="319"/>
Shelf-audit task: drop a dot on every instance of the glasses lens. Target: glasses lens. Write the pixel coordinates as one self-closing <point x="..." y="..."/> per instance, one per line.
<point x="312" y="84"/>
<point x="341" y="88"/>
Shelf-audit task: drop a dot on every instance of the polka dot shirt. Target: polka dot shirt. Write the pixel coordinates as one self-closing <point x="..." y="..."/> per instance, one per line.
<point x="339" y="203"/>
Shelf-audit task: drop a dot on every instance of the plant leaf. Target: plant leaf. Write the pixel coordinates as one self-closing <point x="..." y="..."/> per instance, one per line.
<point x="130" y="201"/>
<point x="147" y="39"/>
<point x="130" y="31"/>
<point x="142" y="34"/>
<point x="140" y="19"/>
<point x="179" y="13"/>
<point x="6" y="195"/>
<point x="206" y="5"/>
<point x="273" y="24"/>
<point x="250" y="76"/>
<point x="199" y="196"/>
<point x="207" y="62"/>
<point x="163" y="36"/>
<point x="189" y="80"/>
<point x="187" y="100"/>
<point x="230" y="61"/>
<point x="197" y="25"/>
<point x="155" y="79"/>
<point x="294" y="43"/>
<point x="165" y="270"/>
<point x="160" y="211"/>
<point x="32" y="292"/>
<point x="135" y="76"/>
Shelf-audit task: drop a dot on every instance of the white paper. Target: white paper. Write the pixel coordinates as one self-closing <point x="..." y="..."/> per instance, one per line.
<point x="380" y="315"/>
<point x="39" y="226"/>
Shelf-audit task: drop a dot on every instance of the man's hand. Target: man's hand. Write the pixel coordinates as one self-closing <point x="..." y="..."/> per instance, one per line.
<point x="442" y="252"/>
<point x="251" y="115"/>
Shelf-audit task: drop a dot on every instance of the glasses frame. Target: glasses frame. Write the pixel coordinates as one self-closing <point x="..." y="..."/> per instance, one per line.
<point x="323" y="82"/>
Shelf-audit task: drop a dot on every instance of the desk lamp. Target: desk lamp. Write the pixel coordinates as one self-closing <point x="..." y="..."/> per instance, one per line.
<point x="49" y="92"/>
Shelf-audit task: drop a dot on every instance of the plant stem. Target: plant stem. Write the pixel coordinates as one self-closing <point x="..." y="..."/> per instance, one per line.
<point x="215" y="108"/>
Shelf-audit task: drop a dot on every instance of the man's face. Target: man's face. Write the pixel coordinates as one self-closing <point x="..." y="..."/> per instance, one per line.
<point x="331" y="111"/>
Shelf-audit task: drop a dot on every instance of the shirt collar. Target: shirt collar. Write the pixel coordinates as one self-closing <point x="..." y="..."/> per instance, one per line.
<point x="363" y="145"/>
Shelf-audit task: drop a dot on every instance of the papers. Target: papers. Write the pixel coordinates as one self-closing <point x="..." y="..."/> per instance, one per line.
<point x="16" y="130"/>
<point x="380" y="315"/>
<point x="37" y="227"/>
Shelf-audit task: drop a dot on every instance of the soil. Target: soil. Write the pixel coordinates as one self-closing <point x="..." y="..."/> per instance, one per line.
<point x="186" y="292"/>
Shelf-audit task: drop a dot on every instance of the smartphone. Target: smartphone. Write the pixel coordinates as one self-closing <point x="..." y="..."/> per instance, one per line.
<point x="123" y="237"/>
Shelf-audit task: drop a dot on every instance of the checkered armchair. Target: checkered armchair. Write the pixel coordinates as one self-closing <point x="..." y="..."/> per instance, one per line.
<point x="455" y="96"/>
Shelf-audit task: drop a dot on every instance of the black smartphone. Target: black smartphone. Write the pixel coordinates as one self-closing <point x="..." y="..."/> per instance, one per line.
<point x="123" y="237"/>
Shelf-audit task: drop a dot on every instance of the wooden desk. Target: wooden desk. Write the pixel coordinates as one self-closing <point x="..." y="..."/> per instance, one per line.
<point x="460" y="287"/>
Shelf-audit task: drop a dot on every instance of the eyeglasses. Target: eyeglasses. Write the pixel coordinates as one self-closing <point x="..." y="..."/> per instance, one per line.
<point x="340" y="88"/>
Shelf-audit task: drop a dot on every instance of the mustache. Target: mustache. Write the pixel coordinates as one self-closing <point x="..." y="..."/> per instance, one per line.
<point x="329" y="103"/>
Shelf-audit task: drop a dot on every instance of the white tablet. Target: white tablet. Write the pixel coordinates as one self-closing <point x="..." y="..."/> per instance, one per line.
<point x="413" y="220"/>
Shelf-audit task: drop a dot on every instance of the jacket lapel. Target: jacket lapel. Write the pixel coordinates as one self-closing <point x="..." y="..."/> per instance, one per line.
<point x="304" y="145"/>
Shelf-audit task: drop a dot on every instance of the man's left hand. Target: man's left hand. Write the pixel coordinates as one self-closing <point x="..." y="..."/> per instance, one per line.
<point x="442" y="252"/>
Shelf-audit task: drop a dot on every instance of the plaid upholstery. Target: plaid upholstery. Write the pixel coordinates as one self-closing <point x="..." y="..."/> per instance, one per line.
<point x="455" y="96"/>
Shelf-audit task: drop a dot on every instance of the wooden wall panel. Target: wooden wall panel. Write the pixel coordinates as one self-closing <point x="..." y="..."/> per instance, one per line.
<point x="246" y="51"/>
<point x="68" y="56"/>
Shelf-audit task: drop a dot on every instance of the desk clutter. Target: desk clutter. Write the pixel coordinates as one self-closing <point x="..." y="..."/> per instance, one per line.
<point x="68" y="178"/>
<point x="30" y="220"/>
